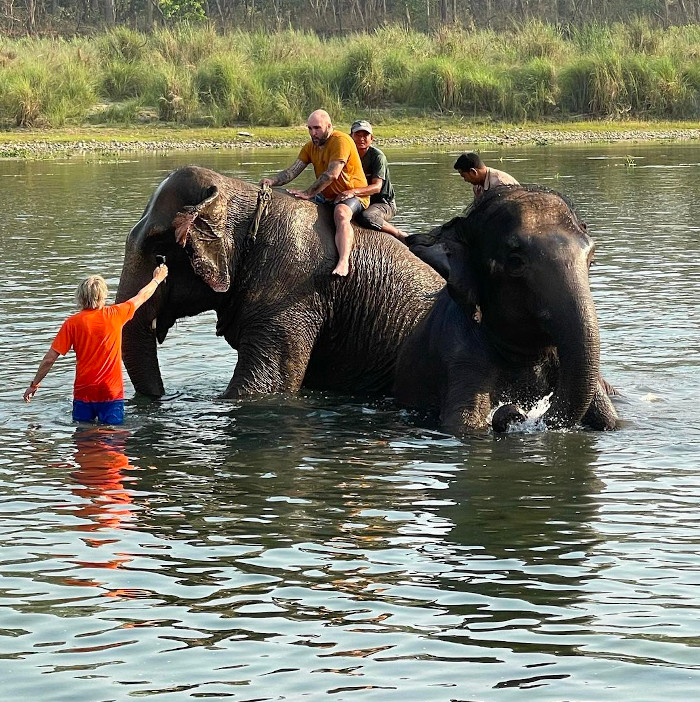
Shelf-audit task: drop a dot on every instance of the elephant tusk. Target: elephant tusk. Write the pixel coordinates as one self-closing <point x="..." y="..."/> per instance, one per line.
<point x="154" y="323"/>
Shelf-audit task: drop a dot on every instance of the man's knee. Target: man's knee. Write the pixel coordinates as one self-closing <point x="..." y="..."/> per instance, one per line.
<point x="342" y="213"/>
<point x="371" y="219"/>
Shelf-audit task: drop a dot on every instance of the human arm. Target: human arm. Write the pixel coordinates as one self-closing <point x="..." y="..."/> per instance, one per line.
<point x="374" y="187"/>
<point x="44" y="367"/>
<point x="159" y="275"/>
<point x="285" y="176"/>
<point x="335" y="168"/>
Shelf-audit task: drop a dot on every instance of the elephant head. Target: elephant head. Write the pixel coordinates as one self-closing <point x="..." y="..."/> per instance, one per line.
<point x="526" y="268"/>
<point x="517" y="266"/>
<point x="192" y="219"/>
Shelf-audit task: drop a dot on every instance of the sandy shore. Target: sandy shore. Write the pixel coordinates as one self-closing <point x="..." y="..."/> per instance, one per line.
<point x="19" y="145"/>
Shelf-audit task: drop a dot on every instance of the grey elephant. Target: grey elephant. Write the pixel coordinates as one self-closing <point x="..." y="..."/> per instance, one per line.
<point x="265" y="268"/>
<point x="515" y="322"/>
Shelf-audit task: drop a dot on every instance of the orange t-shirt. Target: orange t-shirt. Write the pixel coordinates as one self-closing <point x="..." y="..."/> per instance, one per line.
<point x="339" y="147"/>
<point x="96" y="337"/>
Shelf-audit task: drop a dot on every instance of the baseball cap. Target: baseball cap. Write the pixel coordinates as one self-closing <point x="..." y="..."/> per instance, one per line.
<point x="361" y="125"/>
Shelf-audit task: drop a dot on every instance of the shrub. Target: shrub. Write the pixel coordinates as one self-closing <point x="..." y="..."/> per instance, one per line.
<point x="121" y="80"/>
<point x="124" y="45"/>
<point x="363" y="75"/>
<point x="531" y="91"/>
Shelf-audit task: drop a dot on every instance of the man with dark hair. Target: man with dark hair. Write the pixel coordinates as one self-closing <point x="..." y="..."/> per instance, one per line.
<point x="338" y="169"/>
<point x="95" y="334"/>
<point x="480" y="176"/>
<point x="382" y="201"/>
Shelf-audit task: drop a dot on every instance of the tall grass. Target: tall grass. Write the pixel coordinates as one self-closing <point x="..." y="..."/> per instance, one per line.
<point x="193" y="75"/>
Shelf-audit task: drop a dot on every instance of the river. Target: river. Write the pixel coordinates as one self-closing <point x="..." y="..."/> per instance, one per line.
<point x="315" y="546"/>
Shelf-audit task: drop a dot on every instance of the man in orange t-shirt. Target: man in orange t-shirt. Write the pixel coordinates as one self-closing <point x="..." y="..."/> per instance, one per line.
<point x="338" y="172"/>
<point x="95" y="333"/>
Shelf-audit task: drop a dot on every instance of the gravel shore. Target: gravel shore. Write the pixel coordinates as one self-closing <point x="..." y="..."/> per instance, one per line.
<point x="516" y="136"/>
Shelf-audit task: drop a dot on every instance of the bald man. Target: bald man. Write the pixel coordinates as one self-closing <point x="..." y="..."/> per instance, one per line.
<point x="338" y="169"/>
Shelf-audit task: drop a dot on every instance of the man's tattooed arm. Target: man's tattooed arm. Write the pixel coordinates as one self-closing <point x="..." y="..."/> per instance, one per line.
<point x="328" y="176"/>
<point x="289" y="174"/>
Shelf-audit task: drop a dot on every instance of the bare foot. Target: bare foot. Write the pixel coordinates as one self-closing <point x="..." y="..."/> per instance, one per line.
<point x="401" y="236"/>
<point x="342" y="269"/>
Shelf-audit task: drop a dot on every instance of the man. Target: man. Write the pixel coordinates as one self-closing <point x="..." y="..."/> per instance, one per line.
<point x="382" y="205"/>
<point x="95" y="333"/>
<point x="473" y="170"/>
<point x="338" y="170"/>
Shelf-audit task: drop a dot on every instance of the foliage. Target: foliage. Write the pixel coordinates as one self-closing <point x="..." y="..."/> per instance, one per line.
<point x="198" y="76"/>
<point x="183" y="10"/>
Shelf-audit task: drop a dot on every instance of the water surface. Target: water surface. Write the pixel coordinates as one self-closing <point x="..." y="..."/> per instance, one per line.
<point x="313" y="546"/>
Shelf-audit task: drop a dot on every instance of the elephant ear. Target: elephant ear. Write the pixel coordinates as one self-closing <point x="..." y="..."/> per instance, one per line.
<point x="203" y="228"/>
<point x="435" y="247"/>
<point x="462" y="281"/>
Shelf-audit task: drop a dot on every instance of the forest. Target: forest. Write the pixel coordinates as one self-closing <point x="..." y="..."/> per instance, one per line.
<point x="329" y="17"/>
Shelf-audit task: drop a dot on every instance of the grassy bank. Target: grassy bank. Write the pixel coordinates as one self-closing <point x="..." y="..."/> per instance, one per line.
<point x="198" y="78"/>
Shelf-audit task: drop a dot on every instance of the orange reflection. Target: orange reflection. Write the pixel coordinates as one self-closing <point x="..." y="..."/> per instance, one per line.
<point x="100" y="464"/>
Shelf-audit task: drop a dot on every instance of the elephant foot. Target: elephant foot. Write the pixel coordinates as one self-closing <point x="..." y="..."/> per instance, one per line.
<point x="506" y="416"/>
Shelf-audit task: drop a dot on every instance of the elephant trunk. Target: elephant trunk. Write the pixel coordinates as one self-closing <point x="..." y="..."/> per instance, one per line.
<point x="139" y="348"/>
<point x="575" y="334"/>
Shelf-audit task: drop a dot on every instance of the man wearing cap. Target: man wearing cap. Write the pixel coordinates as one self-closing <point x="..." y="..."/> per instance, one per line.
<point x="382" y="203"/>
<point x="338" y="171"/>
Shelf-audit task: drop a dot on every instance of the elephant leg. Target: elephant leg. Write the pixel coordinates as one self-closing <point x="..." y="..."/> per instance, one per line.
<point x="600" y="415"/>
<point x="467" y="402"/>
<point x="270" y="361"/>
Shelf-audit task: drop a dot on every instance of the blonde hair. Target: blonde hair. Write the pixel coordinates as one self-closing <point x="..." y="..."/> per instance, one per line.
<point x="91" y="293"/>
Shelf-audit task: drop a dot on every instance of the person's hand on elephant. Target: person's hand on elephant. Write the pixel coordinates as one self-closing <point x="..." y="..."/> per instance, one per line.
<point x="267" y="181"/>
<point x="344" y="196"/>
<point x="299" y="194"/>
<point x="160" y="273"/>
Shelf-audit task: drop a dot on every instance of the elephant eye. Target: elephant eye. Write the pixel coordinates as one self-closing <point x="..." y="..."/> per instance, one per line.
<point x="515" y="264"/>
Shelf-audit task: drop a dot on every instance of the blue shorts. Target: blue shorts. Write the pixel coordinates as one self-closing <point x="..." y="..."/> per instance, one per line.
<point x="106" y="412"/>
<point x="354" y="203"/>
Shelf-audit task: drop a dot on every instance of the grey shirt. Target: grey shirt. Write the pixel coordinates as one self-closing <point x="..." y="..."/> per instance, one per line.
<point x="375" y="165"/>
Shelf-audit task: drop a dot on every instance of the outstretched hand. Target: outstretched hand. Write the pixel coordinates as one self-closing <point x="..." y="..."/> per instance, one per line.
<point x="266" y="181"/>
<point x="160" y="273"/>
<point x="30" y="391"/>
<point x="299" y="194"/>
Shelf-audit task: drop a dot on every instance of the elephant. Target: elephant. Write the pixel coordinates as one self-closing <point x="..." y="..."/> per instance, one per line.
<point x="515" y="322"/>
<point x="262" y="260"/>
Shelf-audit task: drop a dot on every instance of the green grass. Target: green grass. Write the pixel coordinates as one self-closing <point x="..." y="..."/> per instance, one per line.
<point x="193" y="76"/>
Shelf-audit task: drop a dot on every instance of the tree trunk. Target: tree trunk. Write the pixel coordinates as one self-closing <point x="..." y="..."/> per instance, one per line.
<point x="31" y="17"/>
<point x="109" y="13"/>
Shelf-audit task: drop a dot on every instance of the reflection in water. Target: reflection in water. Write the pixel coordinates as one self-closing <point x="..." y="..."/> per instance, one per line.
<point x="523" y="514"/>
<point x="105" y="503"/>
<point x="100" y="455"/>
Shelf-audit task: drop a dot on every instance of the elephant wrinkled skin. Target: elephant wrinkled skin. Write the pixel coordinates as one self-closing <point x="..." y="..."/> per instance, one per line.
<point x="516" y="321"/>
<point x="276" y="302"/>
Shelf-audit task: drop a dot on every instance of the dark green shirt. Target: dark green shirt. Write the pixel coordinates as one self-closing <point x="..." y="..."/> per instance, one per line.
<point x="375" y="165"/>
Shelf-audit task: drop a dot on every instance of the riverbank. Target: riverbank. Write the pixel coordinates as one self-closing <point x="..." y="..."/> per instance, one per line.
<point x="62" y="143"/>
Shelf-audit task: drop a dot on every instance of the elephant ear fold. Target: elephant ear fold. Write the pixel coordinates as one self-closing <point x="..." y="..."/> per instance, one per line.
<point x="461" y="283"/>
<point x="203" y="227"/>
<point x="207" y="218"/>
<point x="462" y="289"/>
